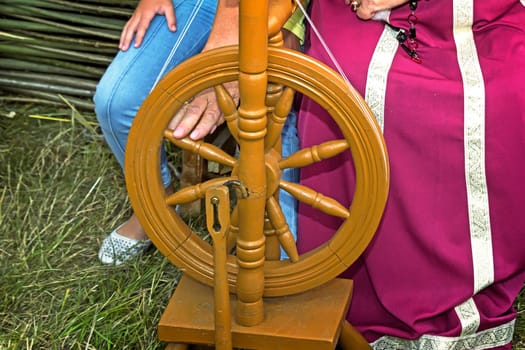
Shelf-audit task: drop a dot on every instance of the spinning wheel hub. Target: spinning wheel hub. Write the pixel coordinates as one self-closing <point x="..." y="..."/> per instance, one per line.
<point x="273" y="172"/>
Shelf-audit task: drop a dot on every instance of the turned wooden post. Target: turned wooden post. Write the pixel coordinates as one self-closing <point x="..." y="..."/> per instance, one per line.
<point x="253" y="61"/>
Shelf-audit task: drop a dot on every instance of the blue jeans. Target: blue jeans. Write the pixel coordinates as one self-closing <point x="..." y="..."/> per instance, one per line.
<point x="290" y="145"/>
<point x="133" y="74"/>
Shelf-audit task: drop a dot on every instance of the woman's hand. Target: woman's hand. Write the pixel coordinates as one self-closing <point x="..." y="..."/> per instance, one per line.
<point x="201" y="116"/>
<point x="139" y="22"/>
<point x="367" y="9"/>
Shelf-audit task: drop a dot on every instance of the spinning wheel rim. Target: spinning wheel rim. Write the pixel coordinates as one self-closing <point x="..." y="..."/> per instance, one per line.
<point x="183" y="248"/>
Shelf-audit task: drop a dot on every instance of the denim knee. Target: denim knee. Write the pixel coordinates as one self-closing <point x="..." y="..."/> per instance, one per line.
<point x="115" y="114"/>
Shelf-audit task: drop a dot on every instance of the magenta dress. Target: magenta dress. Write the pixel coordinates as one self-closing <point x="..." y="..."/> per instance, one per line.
<point x="448" y="259"/>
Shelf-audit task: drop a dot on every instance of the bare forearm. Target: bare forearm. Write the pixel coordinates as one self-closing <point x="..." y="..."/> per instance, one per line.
<point x="225" y="29"/>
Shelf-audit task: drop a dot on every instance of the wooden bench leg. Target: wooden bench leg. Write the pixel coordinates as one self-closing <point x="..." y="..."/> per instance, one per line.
<point x="192" y="173"/>
<point x="351" y="339"/>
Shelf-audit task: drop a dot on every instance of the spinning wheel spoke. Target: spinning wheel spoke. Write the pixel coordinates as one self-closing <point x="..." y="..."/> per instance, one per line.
<point x="203" y="149"/>
<point x="195" y="192"/>
<point x="281" y="228"/>
<point x="306" y="195"/>
<point x="278" y="117"/>
<point x="228" y="107"/>
<point x="314" y="154"/>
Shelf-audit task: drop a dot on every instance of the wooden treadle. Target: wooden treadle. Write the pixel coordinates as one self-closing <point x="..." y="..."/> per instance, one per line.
<point x="311" y="320"/>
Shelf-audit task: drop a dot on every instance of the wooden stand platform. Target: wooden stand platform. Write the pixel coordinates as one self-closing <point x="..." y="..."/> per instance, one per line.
<point x="312" y="320"/>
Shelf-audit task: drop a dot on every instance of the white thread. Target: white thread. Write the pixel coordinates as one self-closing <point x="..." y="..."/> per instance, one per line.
<point x="323" y="43"/>
<point x="380" y="16"/>
<point x="177" y="43"/>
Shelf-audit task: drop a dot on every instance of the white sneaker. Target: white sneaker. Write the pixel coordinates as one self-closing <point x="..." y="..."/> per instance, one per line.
<point x="116" y="249"/>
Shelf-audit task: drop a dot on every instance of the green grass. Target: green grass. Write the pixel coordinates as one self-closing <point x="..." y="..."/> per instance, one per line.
<point x="60" y="192"/>
<point x="519" y="335"/>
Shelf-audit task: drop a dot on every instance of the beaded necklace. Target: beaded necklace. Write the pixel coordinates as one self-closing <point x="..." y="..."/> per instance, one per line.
<point x="409" y="42"/>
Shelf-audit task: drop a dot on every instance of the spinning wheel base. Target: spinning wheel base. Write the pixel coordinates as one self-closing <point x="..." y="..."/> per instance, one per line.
<point x="311" y="320"/>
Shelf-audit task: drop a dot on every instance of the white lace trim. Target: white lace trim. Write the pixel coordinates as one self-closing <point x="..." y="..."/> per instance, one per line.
<point x="378" y="69"/>
<point x="486" y="339"/>
<point x="475" y="176"/>
<point x="469" y="317"/>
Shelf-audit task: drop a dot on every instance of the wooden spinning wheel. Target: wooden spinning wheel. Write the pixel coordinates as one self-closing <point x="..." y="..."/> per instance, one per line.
<point x="181" y="245"/>
<point x="256" y="126"/>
